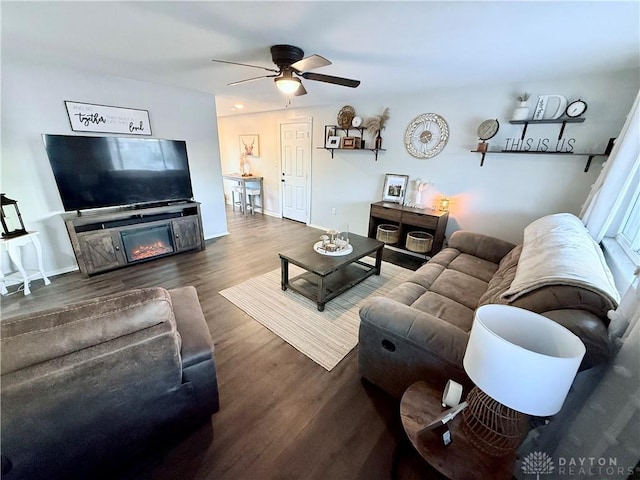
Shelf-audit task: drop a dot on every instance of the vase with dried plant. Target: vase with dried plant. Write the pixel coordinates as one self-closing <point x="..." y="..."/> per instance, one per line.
<point x="375" y="125"/>
<point x="521" y="112"/>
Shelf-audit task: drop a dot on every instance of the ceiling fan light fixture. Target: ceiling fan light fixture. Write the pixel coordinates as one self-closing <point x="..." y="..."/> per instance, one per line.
<point x="288" y="84"/>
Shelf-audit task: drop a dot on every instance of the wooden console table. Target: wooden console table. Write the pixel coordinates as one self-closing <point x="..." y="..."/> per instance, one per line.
<point x="13" y="246"/>
<point x="409" y="219"/>
<point x="460" y="460"/>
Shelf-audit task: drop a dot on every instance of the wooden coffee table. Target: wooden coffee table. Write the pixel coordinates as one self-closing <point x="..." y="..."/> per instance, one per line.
<point x="328" y="276"/>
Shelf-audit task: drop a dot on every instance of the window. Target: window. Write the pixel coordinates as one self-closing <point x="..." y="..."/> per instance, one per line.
<point x="622" y="240"/>
<point x="629" y="234"/>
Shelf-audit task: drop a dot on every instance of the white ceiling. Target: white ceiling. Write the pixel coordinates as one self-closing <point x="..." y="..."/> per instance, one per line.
<point x="393" y="46"/>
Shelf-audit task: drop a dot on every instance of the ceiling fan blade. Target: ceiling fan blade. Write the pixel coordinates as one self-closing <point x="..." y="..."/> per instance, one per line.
<point x="309" y="63"/>
<point x="251" y="79"/>
<point x="300" y="91"/>
<point x="247" y="65"/>
<point x="345" y="82"/>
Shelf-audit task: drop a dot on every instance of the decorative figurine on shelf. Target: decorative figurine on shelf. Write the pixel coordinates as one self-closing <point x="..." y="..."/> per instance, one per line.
<point x="522" y="111"/>
<point x="486" y="131"/>
<point x="245" y="166"/>
<point x="415" y="196"/>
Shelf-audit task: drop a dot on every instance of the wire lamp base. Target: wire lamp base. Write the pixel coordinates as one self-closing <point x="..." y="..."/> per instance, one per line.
<point x="492" y="427"/>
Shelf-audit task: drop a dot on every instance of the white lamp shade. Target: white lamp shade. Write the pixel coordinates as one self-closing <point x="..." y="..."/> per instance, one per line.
<point x="521" y="359"/>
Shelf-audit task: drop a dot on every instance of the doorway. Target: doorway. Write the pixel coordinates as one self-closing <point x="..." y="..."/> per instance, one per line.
<point x="295" y="165"/>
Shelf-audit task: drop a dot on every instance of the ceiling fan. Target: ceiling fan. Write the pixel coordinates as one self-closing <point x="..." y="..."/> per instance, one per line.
<point x="292" y="64"/>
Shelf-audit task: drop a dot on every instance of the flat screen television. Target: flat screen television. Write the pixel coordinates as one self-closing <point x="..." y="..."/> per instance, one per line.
<point x="94" y="172"/>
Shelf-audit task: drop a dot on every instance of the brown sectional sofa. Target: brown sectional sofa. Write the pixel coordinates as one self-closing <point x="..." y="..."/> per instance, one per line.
<point x="419" y="331"/>
<point x="86" y="386"/>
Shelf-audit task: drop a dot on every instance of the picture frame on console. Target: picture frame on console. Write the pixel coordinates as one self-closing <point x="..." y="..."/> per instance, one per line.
<point x="395" y="188"/>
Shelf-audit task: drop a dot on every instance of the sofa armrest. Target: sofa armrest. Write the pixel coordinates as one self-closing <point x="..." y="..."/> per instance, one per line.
<point x="479" y="245"/>
<point x="590" y="329"/>
<point x="400" y="345"/>
<point x="431" y="333"/>
<point x="197" y="350"/>
<point x="197" y="345"/>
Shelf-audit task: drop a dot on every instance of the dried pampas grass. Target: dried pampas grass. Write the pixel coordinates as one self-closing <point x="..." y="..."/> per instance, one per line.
<point x="376" y="123"/>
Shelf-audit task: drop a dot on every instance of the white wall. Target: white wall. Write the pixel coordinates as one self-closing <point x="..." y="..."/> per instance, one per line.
<point x="500" y="198"/>
<point x="33" y="104"/>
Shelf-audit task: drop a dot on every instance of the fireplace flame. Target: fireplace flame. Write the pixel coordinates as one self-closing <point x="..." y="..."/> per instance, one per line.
<point x="150" y="250"/>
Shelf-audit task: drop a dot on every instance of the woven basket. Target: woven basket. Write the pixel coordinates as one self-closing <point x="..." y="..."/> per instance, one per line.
<point x="388" y="233"/>
<point x="419" y="242"/>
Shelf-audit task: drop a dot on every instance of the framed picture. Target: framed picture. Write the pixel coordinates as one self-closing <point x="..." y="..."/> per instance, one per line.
<point x="249" y="145"/>
<point x="89" y="117"/>
<point x="333" y="142"/>
<point x="348" y="142"/>
<point x="395" y="187"/>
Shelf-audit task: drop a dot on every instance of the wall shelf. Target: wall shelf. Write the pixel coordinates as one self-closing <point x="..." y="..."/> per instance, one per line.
<point x="332" y="130"/>
<point x="563" y="121"/>
<point x="536" y="152"/>
<point x="374" y="150"/>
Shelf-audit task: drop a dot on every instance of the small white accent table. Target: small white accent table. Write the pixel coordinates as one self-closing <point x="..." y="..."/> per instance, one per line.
<point x="13" y="246"/>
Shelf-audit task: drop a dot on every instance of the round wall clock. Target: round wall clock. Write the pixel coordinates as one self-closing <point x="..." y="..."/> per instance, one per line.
<point x="575" y="109"/>
<point x="488" y="129"/>
<point x="427" y="135"/>
<point x="357" y="121"/>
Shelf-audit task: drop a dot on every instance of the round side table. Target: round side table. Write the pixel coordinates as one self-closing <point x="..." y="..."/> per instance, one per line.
<point x="460" y="460"/>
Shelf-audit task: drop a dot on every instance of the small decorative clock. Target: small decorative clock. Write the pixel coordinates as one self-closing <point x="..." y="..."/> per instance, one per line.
<point x="576" y="108"/>
<point x="426" y="135"/>
<point x="487" y="130"/>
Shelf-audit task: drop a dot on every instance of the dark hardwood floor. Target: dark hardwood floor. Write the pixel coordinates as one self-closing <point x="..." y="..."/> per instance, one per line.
<point x="282" y="416"/>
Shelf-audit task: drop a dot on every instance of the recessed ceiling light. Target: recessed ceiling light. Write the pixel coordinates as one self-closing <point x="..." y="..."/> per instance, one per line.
<point x="239" y="106"/>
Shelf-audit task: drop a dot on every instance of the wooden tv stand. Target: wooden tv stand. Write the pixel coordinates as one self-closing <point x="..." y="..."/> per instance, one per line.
<point x="97" y="237"/>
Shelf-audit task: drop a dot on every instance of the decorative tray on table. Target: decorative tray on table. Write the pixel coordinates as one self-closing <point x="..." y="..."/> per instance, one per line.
<point x="332" y="249"/>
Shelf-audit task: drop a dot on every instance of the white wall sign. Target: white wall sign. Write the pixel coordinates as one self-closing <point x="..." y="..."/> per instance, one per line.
<point x="86" y="117"/>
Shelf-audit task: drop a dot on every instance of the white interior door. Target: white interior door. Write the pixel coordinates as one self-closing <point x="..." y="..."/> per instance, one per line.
<point x="295" y="162"/>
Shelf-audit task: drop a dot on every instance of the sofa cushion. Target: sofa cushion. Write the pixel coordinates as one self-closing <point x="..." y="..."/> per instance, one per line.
<point x="33" y="339"/>
<point x="479" y="245"/>
<point x="501" y="280"/>
<point x="448" y="287"/>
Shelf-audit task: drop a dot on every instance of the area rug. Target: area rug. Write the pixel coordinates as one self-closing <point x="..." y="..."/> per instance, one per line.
<point x="325" y="337"/>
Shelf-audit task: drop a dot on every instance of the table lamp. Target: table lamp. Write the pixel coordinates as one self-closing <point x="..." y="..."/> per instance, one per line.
<point x="522" y="364"/>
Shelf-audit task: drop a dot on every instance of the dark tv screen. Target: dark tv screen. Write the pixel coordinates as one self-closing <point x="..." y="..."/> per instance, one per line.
<point x="94" y="172"/>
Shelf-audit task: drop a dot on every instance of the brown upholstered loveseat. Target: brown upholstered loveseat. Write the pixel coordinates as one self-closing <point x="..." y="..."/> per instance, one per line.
<point x="88" y="385"/>
<point x="419" y="331"/>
